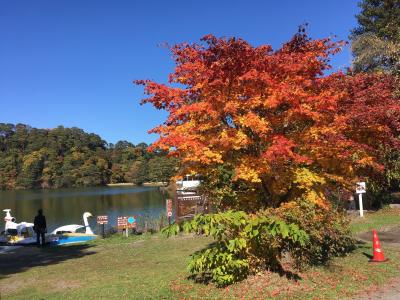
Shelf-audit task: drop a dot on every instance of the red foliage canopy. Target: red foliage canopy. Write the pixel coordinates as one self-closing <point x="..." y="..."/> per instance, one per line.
<point x="274" y="117"/>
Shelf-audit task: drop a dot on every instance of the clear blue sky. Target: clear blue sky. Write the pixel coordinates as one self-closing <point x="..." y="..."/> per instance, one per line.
<point x="72" y="62"/>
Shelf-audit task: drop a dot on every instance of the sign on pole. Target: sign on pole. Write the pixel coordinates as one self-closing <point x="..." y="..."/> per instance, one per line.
<point x="169" y="207"/>
<point x="169" y="210"/>
<point x="124" y="223"/>
<point x="361" y="189"/>
<point x="101" y="220"/>
<point x="131" y="222"/>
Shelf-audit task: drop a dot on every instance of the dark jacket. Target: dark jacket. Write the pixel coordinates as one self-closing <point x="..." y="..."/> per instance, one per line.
<point x="40" y="223"/>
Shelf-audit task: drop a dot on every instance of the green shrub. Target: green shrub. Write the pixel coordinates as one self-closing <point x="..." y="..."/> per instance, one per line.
<point x="244" y="243"/>
<point x="328" y="231"/>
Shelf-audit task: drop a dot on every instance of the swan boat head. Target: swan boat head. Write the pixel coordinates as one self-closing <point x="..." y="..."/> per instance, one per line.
<point x="86" y="215"/>
<point x="9" y="220"/>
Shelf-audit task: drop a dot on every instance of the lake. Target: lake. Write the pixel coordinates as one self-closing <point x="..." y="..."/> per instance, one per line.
<point x="66" y="206"/>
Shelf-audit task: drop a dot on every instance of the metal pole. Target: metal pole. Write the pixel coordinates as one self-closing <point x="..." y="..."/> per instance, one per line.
<point x="361" y="205"/>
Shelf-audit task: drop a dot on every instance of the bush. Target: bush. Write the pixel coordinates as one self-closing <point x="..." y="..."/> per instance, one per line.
<point x="328" y="231"/>
<point x="247" y="243"/>
<point x="244" y="243"/>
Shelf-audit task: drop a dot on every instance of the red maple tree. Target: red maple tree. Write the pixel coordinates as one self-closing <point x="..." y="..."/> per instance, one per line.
<point x="286" y="129"/>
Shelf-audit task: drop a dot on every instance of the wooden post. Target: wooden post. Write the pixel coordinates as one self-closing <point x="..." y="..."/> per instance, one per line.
<point x="176" y="208"/>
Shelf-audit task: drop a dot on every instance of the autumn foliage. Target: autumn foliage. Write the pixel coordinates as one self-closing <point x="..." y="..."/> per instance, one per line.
<point x="273" y="120"/>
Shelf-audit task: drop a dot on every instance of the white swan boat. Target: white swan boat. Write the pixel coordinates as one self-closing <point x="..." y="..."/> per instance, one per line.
<point x="23" y="233"/>
<point x="73" y="233"/>
<point x="17" y="233"/>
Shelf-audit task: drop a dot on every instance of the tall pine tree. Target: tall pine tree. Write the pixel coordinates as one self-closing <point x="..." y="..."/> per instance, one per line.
<point x="376" y="40"/>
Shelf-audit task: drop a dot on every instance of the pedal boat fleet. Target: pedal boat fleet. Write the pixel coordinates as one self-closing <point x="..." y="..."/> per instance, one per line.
<point x="23" y="234"/>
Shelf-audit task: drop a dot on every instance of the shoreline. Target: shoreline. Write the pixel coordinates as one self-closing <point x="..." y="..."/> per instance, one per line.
<point x="155" y="184"/>
<point x="133" y="184"/>
<point x="121" y="184"/>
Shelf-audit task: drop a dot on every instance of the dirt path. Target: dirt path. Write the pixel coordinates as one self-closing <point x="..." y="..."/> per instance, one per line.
<point x="390" y="236"/>
<point x="391" y="290"/>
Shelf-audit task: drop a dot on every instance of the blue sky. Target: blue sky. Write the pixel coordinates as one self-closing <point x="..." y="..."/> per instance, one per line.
<point x="72" y="62"/>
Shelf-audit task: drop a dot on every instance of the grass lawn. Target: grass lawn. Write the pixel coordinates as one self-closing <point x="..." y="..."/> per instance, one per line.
<point x="382" y="219"/>
<point x="152" y="267"/>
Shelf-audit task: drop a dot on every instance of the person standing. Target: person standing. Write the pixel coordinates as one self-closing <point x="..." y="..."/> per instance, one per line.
<point x="39" y="225"/>
<point x="351" y="203"/>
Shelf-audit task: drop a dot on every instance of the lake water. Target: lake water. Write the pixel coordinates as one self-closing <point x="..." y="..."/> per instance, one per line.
<point x="66" y="206"/>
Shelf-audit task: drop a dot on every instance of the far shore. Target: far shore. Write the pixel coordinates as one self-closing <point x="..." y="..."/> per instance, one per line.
<point x="132" y="184"/>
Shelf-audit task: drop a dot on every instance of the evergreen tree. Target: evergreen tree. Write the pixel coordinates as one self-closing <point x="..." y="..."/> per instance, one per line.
<point x="376" y="48"/>
<point x="380" y="17"/>
<point x="376" y="40"/>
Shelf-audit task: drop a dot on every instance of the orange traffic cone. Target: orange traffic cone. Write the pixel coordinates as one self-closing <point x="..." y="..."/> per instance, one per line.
<point x="378" y="252"/>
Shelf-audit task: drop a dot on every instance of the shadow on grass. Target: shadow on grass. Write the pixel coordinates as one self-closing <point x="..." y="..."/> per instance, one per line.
<point x="362" y="245"/>
<point x="27" y="257"/>
<point x="289" y="275"/>
<point x="367" y="255"/>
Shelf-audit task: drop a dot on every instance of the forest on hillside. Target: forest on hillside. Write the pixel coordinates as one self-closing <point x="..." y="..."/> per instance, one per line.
<point x="70" y="157"/>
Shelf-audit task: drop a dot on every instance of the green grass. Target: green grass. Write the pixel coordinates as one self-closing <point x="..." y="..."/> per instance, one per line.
<point x="152" y="267"/>
<point x="138" y="267"/>
<point x="383" y="218"/>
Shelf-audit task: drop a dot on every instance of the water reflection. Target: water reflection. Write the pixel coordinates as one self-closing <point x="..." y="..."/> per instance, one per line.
<point x="66" y="206"/>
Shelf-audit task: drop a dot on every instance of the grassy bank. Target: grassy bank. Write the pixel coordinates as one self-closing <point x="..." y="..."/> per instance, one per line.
<point x="152" y="267"/>
<point x="384" y="218"/>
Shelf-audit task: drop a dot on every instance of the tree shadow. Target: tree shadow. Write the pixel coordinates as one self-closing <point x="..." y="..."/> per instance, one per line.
<point x="289" y="274"/>
<point x="23" y="258"/>
<point x="201" y="279"/>
<point x="368" y="255"/>
<point x="207" y="278"/>
<point x="360" y="244"/>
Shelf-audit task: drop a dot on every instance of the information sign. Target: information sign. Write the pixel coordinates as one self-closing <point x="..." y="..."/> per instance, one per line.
<point x="169" y="207"/>
<point x="126" y="222"/>
<point x="131" y="220"/>
<point x="122" y="222"/>
<point x="361" y="188"/>
<point x="102" y="220"/>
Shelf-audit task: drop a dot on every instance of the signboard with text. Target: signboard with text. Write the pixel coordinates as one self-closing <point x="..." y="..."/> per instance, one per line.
<point x="126" y="222"/>
<point x="102" y="220"/>
<point x="122" y="222"/>
<point x="361" y="188"/>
